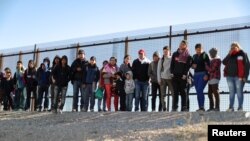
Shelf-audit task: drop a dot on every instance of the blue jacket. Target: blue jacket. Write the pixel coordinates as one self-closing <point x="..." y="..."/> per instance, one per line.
<point x="92" y="74"/>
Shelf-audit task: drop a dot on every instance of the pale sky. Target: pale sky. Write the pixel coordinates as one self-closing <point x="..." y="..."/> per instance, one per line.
<point x="27" y="22"/>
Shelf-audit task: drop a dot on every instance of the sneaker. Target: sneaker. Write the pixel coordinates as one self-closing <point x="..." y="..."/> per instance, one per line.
<point x="54" y="111"/>
<point x="230" y="109"/>
<point x="240" y="109"/>
<point x="210" y="110"/>
<point x="83" y="110"/>
<point x="74" y="110"/>
<point x="99" y="110"/>
<point x="174" y="110"/>
<point x="45" y="109"/>
<point x="60" y="111"/>
<point x="200" y="110"/>
<point x="39" y="110"/>
<point x="217" y="109"/>
<point x="91" y="110"/>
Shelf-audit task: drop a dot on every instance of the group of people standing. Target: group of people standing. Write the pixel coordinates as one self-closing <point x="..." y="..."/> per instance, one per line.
<point x="166" y="73"/>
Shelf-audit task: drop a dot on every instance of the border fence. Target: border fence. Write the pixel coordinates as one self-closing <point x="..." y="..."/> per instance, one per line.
<point x="219" y="34"/>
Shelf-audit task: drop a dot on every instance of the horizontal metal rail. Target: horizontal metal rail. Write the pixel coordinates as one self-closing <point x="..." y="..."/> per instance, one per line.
<point x="131" y="40"/>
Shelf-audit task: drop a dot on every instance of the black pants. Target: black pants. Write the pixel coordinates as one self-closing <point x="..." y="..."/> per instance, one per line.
<point x="43" y="92"/>
<point x="122" y="101"/>
<point x="213" y="90"/>
<point x="29" y="90"/>
<point x="154" y="88"/>
<point x="7" y="101"/>
<point x="180" y="88"/>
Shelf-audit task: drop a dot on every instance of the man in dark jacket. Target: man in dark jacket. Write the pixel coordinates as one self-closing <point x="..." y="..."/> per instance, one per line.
<point x="180" y="65"/>
<point x="92" y="77"/>
<point x="61" y="75"/>
<point x="140" y="73"/>
<point x="78" y="71"/>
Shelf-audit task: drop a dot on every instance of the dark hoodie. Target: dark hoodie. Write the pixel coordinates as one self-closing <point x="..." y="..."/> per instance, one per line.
<point x="30" y="77"/>
<point x="62" y="74"/>
<point x="92" y="74"/>
<point x="79" y="75"/>
<point x="42" y="76"/>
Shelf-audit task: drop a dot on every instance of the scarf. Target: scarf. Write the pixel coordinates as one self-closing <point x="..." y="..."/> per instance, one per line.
<point x="183" y="55"/>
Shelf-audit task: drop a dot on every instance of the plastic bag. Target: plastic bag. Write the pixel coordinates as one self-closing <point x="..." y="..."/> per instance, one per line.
<point x="99" y="93"/>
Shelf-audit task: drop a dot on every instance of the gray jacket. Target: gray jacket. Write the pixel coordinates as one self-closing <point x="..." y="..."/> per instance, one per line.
<point x="152" y="71"/>
<point x="129" y="86"/>
<point x="163" y="71"/>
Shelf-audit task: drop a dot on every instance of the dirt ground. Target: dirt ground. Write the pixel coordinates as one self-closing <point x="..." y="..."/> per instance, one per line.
<point x="117" y="126"/>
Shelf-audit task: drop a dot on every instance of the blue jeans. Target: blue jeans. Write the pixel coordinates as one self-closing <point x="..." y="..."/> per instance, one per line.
<point x="20" y="98"/>
<point x="77" y="85"/>
<point x="129" y="102"/>
<point x="200" y="85"/>
<point x="141" y="95"/>
<point x="57" y="91"/>
<point x="89" y="97"/>
<point x="235" y="86"/>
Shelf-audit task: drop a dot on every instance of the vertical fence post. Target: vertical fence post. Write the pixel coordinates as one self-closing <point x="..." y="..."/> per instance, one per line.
<point x="77" y="49"/>
<point x="20" y="56"/>
<point x="126" y="46"/>
<point x="185" y="34"/>
<point x="34" y="54"/>
<point x="36" y="64"/>
<point x="170" y="47"/>
<point x="1" y="62"/>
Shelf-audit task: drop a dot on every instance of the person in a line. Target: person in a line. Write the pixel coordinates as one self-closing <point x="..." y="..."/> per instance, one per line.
<point x="164" y="76"/>
<point x="20" y="85"/>
<point x="7" y="85"/>
<point x="214" y="79"/>
<point x="78" y="71"/>
<point x="30" y="78"/>
<point x="101" y="85"/>
<point x="200" y="60"/>
<point x="61" y="75"/>
<point x="108" y="74"/>
<point x="43" y="87"/>
<point x="155" y="87"/>
<point x="120" y="91"/>
<point x="140" y="73"/>
<point x="55" y="63"/>
<point x="2" y="75"/>
<point x="92" y="78"/>
<point x="125" y="66"/>
<point x="236" y="72"/>
<point x="180" y="65"/>
<point x="129" y="88"/>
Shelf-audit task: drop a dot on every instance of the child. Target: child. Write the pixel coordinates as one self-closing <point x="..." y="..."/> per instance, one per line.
<point x="214" y="79"/>
<point x="101" y="85"/>
<point x="120" y="90"/>
<point x="129" y="90"/>
<point x="8" y="87"/>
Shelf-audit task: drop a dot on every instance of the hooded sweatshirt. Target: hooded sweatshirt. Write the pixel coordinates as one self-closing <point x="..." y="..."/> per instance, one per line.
<point x="152" y="71"/>
<point x="129" y="84"/>
<point x="163" y="70"/>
